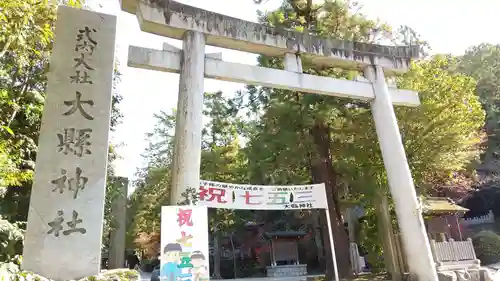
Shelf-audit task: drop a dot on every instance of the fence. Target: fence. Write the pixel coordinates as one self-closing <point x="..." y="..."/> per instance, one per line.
<point x="454" y="254"/>
<point x="402" y="265"/>
<point x="447" y="255"/>
<point x="357" y="262"/>
<point x="488" y="218"/>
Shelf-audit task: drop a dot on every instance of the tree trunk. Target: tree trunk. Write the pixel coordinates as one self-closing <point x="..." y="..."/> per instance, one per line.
<point x="216" y="274"/>
<point x="320" y="248"/>
<point x="234" y="256"/>
<point x="322" y="172"/>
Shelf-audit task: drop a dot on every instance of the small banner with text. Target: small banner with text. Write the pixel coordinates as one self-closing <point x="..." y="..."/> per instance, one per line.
<point x="184" y="243"/>
<point x="261" y="197"/>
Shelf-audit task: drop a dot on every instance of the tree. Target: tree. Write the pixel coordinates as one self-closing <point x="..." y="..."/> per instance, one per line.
<point x="222" y="160"/>
<point x="481" y="62"/>
<point x="10" y="174"/>
<point x="152" y="187"/>
<point x="297" y="138"/>
<point x="19" y="21"/>
<point x="296" y="130"/>
<point x="305" y="138"/>
<point x="25" y="43"/>
<point x="441" y="136"/>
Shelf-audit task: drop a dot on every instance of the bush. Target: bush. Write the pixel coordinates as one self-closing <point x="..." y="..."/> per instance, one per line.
<point x="487" y="246"/>
<point x="11" y="240"/>
<point x="10" y="272"/>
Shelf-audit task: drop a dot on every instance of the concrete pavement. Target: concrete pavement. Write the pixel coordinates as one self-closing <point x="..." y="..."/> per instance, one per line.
<point x="145" y="276"/>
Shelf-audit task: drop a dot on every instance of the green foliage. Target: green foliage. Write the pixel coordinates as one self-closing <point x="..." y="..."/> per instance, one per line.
<point x="487" y="247"/>
<point x="26" y="35"/>
<point x="222" y="160"/>
<point x="152" y="186"/>
<point x="8" y="272"/>
<point x="370" y="239"/>
<point x="24" y="25"/>
<point x="10" y="174"/>
<point x="75" y="3"/>
<point x="441" y="136"/>
<point x="481" y="62"/>
<point x="297" y="133"/>
<point x="11" y="240"/>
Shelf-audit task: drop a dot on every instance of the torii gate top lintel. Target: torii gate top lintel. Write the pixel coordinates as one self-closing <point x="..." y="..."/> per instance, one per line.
<point x="171" y="19"/>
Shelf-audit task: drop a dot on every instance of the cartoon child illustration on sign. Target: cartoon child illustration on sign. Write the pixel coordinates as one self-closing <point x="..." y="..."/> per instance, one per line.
<point x="199" y="270"/>
<point x="171" y="257"/>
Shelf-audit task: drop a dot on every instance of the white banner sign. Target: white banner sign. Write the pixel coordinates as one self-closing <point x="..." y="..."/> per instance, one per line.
<point x="261" y="197"/>
<point x="184" y="243"/>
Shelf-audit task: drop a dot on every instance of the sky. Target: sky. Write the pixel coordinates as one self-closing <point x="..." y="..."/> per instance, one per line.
<point x="450" y="26"/>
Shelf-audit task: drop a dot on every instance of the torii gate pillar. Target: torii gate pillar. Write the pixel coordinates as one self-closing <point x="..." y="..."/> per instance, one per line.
<point x="401" y="185"/>
<point x="189" y="117"/>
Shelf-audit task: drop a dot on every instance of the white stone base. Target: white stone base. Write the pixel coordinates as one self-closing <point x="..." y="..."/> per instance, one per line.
<point x="297" y="278"/>
<point x="287" y="270"/>
<point x="481" y="274"/>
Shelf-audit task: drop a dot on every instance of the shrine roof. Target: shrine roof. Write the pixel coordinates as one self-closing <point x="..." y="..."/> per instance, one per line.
<point x="440" y="205"/>
<point x="286" y="234"/>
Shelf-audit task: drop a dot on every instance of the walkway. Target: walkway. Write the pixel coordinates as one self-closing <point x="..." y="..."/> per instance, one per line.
<point x="145" y="276"/>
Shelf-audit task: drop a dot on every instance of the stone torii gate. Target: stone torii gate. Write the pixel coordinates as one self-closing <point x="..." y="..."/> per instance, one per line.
<point x="197" y="28"/>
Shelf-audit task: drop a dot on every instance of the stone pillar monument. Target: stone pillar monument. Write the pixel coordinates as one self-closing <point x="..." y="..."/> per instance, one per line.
<point x="118" y="224"/>
<point x="63" y="236"/>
